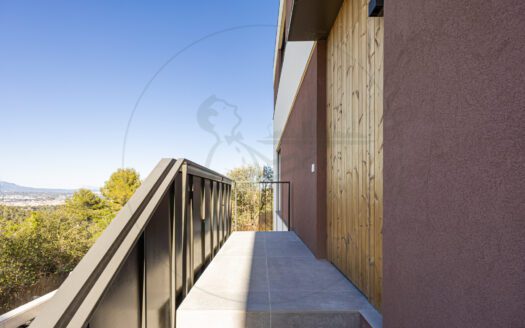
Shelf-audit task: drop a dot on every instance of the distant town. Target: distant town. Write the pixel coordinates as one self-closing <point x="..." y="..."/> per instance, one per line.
<point x="15" y="195"/>
<point x="32" y="199"/>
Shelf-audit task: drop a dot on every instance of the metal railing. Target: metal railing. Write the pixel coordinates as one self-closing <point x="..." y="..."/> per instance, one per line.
<point x="149" y="257"/>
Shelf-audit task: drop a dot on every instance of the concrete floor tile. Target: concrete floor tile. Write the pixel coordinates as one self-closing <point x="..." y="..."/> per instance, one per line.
<point x="235" y="273"/>
<point x="287" y="249"/>
<point x="295" y="273"/>
<point x="316" y="320"/>
<point x="300" y="300"/>
<point x="223" y="319"/>
<point x="210" y="300"/>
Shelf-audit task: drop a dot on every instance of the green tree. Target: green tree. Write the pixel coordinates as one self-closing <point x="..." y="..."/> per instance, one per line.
<point x="253" y="197"/>
<point x="85" y="205"/>
<point x="120" y="187"/>
<point x="85" y="198"/>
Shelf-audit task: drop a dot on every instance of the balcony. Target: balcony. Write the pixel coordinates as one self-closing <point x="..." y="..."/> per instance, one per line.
<point x="170" y="259"/>
<point x="271" y="279"/>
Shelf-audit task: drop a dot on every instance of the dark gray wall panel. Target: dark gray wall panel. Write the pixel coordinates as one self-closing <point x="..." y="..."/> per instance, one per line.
<point x="157" y="251"/>
<point x="123" y="298"/>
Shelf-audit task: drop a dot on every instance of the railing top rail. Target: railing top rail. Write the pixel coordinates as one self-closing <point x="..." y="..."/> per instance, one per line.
<point x="75" y="300"/>
<point x="199" y="170"/>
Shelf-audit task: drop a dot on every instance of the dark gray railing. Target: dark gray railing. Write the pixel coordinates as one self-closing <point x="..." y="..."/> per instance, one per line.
<point x="148" y="258"/>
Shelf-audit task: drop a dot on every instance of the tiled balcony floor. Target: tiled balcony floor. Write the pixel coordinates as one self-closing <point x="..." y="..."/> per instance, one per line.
<point x="271" y="279"/>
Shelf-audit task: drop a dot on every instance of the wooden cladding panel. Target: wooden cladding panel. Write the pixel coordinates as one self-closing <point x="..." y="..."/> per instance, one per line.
<point x="355" y="145"/>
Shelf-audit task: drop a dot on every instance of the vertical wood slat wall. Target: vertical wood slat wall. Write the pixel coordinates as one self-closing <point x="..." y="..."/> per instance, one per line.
<point x="355" y="146"/>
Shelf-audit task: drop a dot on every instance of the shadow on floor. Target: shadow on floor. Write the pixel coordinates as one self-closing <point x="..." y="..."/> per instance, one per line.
<point x="271" y="279"/>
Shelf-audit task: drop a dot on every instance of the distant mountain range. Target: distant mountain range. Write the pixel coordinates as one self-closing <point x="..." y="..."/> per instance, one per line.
<point x="7" y="187"/>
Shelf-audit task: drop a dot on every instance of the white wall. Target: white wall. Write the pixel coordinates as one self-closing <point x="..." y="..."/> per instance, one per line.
<point x="296" y="58"/>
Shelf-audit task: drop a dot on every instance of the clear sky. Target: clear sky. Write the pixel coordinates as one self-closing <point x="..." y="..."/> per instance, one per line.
<point x="71" y="74"/>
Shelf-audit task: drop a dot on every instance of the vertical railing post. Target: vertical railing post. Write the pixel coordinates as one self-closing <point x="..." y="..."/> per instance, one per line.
<point x="184" y="208"/>
<point x="217" y="216"/>
<point x="203" y="221"/>
<point x="142" y="261"/>
<point x="223" y="221"/>
<point x="212" y="217"/>
<point x="191" y="242"/>
<point x="219" y="212"/>
<point x="173" y="269"/>
<point x="225" y="218"/>
<point x="228" y="201"/>
<point x="228" y="212"/>
<point x="187" y="222"/>
<point x="235" y="206"/>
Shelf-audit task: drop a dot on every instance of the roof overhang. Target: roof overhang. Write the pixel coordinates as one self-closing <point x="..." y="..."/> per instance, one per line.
<point x="312" y="19"/>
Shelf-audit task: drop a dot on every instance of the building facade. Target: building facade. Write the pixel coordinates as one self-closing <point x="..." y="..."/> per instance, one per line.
<point x="401" y="130"/>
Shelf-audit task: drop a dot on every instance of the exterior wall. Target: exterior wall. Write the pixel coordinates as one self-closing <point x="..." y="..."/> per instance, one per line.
<point x="355" y="147"/>
<point x="303" y="145"/>
<point x="296" y="58"/>
<point x="454" y="128"/>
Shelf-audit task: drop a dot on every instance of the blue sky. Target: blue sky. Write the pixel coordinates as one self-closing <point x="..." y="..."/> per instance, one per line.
<point x="71" y="73"/>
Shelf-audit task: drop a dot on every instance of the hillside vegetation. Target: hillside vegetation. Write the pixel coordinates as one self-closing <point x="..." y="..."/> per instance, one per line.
<point x="39" y="247"/>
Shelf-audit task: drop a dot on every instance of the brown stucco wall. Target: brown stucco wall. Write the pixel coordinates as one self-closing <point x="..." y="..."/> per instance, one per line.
<point x="454" y="155"/>
<point x="303" y="143"/>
